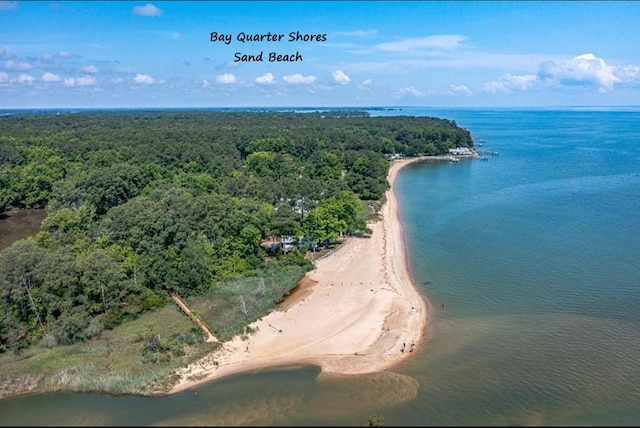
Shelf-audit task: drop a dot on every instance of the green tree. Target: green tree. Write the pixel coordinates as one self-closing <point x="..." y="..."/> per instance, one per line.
<point x="103" y="281"/>
<point x="327" y="165"/>
<point x="191" y="270"/>
<point x="375" y="421"/>
<point x="263" y="164"/>
<point x="23" y="309"/>
<point x="103" y="187"/>
<point x="285" y="221"/>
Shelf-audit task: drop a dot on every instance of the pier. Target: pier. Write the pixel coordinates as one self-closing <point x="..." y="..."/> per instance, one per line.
<point x="187" y="310"/>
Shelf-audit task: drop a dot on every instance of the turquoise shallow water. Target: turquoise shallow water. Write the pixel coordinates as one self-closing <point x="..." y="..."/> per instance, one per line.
<point x="534" y="254"/>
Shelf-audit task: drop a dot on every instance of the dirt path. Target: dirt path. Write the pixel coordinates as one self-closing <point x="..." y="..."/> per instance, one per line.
<point x="187" y="310"/>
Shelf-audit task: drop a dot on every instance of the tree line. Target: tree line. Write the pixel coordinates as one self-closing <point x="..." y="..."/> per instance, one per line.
<point x="142" y="203"/>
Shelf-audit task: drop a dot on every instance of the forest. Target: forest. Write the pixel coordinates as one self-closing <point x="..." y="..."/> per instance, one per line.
<point x="143" y="203"/>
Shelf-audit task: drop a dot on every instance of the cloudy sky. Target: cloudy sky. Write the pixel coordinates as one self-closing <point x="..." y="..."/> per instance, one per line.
<point x="343" y="53"/>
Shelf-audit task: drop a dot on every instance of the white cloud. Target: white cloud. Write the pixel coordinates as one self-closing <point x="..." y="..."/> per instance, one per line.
<point x="4" y="77"/>
<point x="584" y="69"/>
<point x="86" y="81"/>
<point x="226" y="78"/>
<point x="460" y="89"/>
<point x="365" y="84"/>
<point x="358" y="33"/>
<point x="17" y="65"/>
<point x="462" y="60"/>
<point x="64" y="54"/>
<point x="117" y="80"/>
<point x="2" y="52"/>
<point x="445" y="41"/>
<point x="8" y="5"/>
<point x="26" y="78"/>
<point x="50" y="77"/>
<point x="144" y="79"/>
<point x="265" y="79"/>
<point x="147" y="10"/>
<point x="340" y="77"/>
<point x="409" y="90"/>
<point x="80" y="81"/>
<point x="509" y="83"/>
<point x="297" y="79"/>
<point x="90" y="69"/>
<point x="227" y="65"/>
<point x="175" y="35"/>
<point x="628" y="73"/>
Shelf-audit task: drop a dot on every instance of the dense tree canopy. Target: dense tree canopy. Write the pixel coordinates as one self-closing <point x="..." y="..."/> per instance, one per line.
<point x="143" y="203"/>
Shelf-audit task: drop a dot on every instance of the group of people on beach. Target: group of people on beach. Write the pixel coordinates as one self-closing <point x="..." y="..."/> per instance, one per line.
<point x="404" y="345"/>
<point x="413" y="343"/>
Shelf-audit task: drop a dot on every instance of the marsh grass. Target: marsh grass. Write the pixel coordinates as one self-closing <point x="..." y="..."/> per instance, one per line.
<point x="235" y="304"/>
<point x="109" y="363"/>
<point x="123" y="360"/>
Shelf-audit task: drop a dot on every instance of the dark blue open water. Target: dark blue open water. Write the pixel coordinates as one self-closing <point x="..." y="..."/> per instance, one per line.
<point x="534" y="254"/>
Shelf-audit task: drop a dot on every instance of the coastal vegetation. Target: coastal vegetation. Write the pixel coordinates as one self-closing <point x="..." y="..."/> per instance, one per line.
<point x="226" y="209"/>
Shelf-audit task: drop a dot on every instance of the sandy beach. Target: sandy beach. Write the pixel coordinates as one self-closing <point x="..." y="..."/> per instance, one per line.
<point x="353" y="313"/>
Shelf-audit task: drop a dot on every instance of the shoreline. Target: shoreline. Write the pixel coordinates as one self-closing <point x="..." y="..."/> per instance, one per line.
<point x="357" y="312"/>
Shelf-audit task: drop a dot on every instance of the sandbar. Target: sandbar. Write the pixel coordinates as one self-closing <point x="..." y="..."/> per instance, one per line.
<point x="353" y="313"/>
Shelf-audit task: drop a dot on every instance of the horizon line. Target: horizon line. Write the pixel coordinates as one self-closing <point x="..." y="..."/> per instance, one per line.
<point x="310" y="107"/>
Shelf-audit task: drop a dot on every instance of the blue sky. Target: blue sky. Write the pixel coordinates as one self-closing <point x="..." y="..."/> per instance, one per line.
<point x="370" y="53"/>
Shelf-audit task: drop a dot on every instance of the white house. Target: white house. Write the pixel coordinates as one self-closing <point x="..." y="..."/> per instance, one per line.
<point x="460" y="151"/>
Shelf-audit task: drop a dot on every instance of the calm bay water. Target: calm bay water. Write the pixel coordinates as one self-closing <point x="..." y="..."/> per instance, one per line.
<point x="533" y="253"/>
